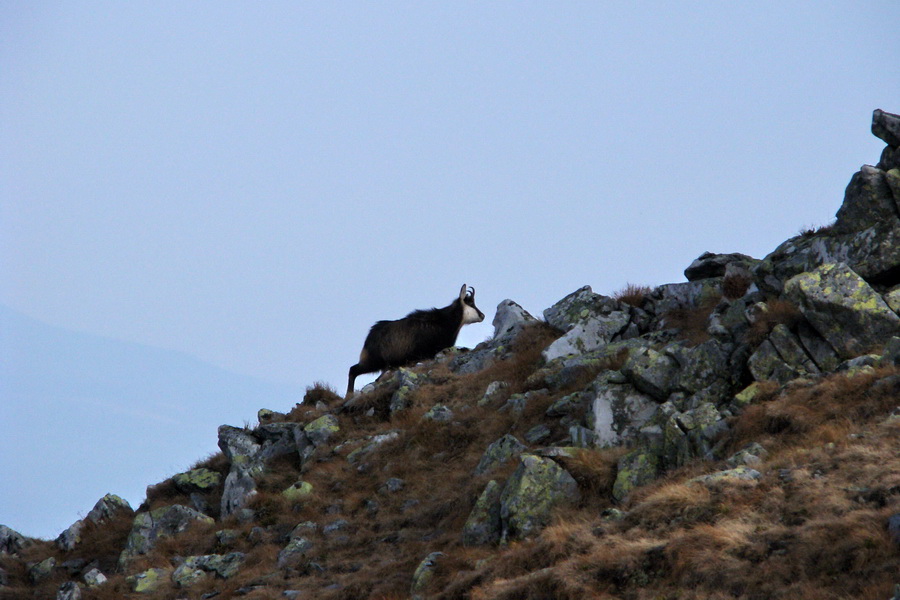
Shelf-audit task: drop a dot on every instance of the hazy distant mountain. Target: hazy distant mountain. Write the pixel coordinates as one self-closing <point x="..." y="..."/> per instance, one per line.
<point x="84" y="415"/>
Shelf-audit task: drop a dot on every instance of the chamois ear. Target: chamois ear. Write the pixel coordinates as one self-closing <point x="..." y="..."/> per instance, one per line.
<point x="462" y="293"/>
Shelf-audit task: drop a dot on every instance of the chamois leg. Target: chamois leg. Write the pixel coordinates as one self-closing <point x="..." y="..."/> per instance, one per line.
<point x="354" y="371"/>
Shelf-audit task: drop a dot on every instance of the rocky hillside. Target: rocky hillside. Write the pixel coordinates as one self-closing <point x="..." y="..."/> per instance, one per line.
<point x="733" y="436"/>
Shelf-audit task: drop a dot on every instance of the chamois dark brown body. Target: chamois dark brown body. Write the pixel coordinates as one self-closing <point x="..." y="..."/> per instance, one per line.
<point x="418" y="336"/>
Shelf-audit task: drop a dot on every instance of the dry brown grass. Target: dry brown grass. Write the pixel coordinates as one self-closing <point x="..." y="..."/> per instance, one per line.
<point x="735" y="286"/>
<point x="633" y="294"/>
<point x="780" y="312"/>
<point x="692" y="323"/>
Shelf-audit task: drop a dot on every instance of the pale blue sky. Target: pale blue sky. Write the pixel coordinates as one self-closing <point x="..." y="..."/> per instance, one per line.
<point x="256" y="184"/>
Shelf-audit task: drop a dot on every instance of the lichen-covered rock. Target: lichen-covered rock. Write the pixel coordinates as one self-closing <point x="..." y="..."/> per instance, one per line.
<point x="483" y="525"/>
<point x="275" y="440"/>
<point x="577" y="308"/>
<point x="618" y="411"/>
<point x="742" y="473"/>
<point x="892" y="298"/>
<point x="818" y="349"/>
<point x="704" y="365"/>
<point x="746" y="397"/>
<point x="891" y="354"/>
<point x="504" y="449"/>
<point x="536" y="487"/>
<point x="690" y="434"/>
<point x="714" y="265"/>
<point x="11" y="541"/>
<point x="886" y="126"/>
<point x="373" y="443"/>
<point x="42" y="570"/>
<point x="94" y="578"/>
<point x="493" y="391"/>
<point x="322" y="429"/>
<point x="149" y="527"/>
<point x="439" y="413"/>
<point x="224" y="566"/>
<point x="592" y="333"/>
<point x="537" y="434"/>
<point x="678" y="296"/>
<point x="423" y="575"/>
<point x="107" y="507"/>
<point x="751" y="455"/>
<point x="408" y="383"/>
<point x="781" y="358"/>
<point x="868" y="200"/>
<point x="298" y="491"/>
<point x="238" y="445"/>
<point x="292" y="555"/>
<point x="69" y="591"/>
<point x="197" y="480"/>
<point x="240" y="486"/>
<point x="651" y="372"/>
<point x="636" y="468"/>
<point x="70" y="537"/>
<point x="843" y="309"/>
<point x="765" y="364"/>
<point x="873" y="252"/>
<point x="509" y="321"/>
<point x="149" y="581"/>
<point x="186" y="576"/>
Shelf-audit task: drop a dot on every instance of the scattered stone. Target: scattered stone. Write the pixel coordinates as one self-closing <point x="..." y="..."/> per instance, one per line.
<point x="750" y="456"/>
<point x="11" y="541"/>
<point x="439" y="413"/>
<point x="298" y="491"/>
<point x="392" y="485"/>
<point x="483" y="525"/>
<point x="149" y="581"/>
<point x="423" y="575"/>
<point x="293" y="553"/>
<point x="537" y="434"/>
<point x="42" y="570"/>
<point x="197" y="480"/>
<point x="504" y="449"/>
<point x="742" y="473"/>
<point x="336" y="526"/>
<point x="493" y="391"/>
<point x="94" y="578"/>
<point x="70" y="590"/>
<point x="536" y="487"/>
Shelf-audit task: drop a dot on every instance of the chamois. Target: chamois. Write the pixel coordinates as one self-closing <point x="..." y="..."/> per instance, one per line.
<point x="418" y="336"/>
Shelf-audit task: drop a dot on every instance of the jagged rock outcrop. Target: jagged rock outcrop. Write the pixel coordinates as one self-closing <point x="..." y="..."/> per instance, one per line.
<point x="150" y="527"/>
<point x="660" y="378"/>
<point x="106" y="508"/>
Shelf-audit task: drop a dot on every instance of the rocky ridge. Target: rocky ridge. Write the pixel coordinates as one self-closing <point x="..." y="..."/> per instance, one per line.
<point x="651" y="382"/>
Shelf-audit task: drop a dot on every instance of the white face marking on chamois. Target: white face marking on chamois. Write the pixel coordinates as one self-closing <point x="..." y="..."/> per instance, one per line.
<point x="471" y="315"/>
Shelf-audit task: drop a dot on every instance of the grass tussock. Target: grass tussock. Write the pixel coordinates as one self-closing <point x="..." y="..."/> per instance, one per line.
<point x="692" y="323"/>
<point x="778" y="312"/>
<point x="633" y="294"/>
